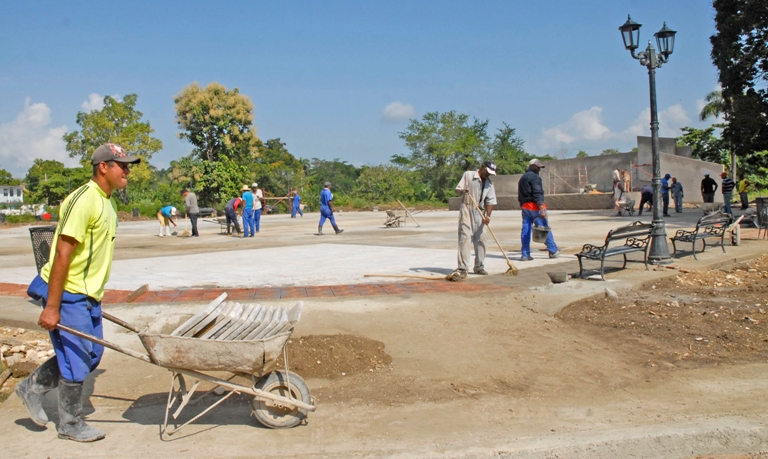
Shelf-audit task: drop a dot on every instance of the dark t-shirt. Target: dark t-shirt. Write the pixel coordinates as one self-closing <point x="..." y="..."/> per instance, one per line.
<point x="708" y="185"/>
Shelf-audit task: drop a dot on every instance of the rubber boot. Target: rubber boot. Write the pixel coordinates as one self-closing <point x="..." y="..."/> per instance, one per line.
<point x="319" y="231"/>
<point x="338" y="231"/>
<point x="72" y="425"/>
<point x="32" y="389"/>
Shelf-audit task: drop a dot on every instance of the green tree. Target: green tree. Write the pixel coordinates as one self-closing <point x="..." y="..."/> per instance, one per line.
<point x="118" y="122"/>
<point x="443" y="146"/>
<point x="609" y="151"/>
<point x="582" y="154"/>
<point x="217" y="122"/>
<point x="384" y="183"/>
<point x="705" y="145"/>
<point x="48" y="181"/>
<point x="6" y="178"/>
<point x="508" y="152"/>
<point x="276" y="170"/>
<point x="740" y="53"/>
<point x="219" y="125"/>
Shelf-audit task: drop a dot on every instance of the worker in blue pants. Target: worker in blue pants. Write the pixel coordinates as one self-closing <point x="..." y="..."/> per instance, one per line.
<point x="248" y="223"/>
<point x="326" y="210"/>
<point x="70" y="287"/>
<point x="296" y="204"/>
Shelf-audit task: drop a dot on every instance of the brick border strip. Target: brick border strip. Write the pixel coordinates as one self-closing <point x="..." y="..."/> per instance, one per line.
<point x="274" y="293"/>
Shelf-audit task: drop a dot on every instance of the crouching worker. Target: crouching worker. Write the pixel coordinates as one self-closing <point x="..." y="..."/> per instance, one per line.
<point x="70" y="287"/>
<point x="166" y="216"/>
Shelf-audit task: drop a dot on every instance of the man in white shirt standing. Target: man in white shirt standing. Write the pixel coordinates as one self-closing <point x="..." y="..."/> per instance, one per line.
<point x="258" y="196"/>
<point x="471" y="222"/>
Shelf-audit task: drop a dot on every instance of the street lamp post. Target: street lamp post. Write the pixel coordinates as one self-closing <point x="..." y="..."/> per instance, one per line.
<point x="665" y="40"/>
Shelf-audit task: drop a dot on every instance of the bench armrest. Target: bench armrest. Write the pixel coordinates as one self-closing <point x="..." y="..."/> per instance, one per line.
<point x="592" y="251"/>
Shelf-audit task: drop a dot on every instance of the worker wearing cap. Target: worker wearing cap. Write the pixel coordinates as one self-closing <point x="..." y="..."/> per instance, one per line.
<point x="165" y="216"/>
<point x="478" y="185"/>
<point x="708" y="188"/>
<point x="326" y="210"/>
<point x="665" y="187"/>
<point x="70" y="287"/>
<point x="258" y="197"/>
<point x="530" y="195"/>
<point x="247" y="196"/>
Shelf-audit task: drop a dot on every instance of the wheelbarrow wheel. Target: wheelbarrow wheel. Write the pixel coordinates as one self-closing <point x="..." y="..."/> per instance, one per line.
<point x="274" y="415"/>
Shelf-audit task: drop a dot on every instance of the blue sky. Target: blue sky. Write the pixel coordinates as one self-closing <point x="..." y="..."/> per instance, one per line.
<point x="341" y="79"/>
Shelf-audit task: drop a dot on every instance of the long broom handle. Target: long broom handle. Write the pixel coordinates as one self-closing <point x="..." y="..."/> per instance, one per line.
<point x="491" y="231"/>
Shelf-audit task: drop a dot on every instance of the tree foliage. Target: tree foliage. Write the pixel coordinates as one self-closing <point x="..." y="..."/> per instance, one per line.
<point x="705" y="145"/>
<point x="6" y="178"/>
<point x="49" y="182"/>
<point x="740" y="52"/>
<point x="384" y="182"/>
<point x="582" y="154"/>
<point x="443" y="146"/>
<point x="276" y="170"/>
<point x="117" y="122"/>
<point x="508" y="152"/>
<point x="609" y="151"/>
<point x="217" y="122"/>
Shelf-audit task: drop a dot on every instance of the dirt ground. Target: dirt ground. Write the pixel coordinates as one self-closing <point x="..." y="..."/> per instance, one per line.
<point x="695" y="319"/>
<point x="429" y="375"/>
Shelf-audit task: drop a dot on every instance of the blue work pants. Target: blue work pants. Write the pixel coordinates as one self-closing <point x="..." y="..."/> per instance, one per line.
<point x="665" y="203"/>
<point x="727" y="202"/>
<point x="248" y="222"/>
<point x="77" y="357"/>
<point x="529" y="217"/>
<point x="257" y="218"/>
<point x="296" y="209"/>
<point x="326" y="213"/>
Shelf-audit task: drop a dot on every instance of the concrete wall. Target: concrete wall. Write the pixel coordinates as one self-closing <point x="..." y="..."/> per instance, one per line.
<point x="690" y="172"/>
<point x="562" y="176"/>
<point x="590" y="201"/>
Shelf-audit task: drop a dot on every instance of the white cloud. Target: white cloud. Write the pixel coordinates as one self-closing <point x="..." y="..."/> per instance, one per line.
<point x="585" y="130"/>
<point x="585" y="125"/>
<point x="94" y="102"/>
<point x="398" y="111"/>
<point x="30" y="136"/>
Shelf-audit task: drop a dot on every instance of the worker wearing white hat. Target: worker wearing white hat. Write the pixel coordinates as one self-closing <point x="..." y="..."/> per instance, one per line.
<point x="258" y="197"/>
<point x="166" y="215"/>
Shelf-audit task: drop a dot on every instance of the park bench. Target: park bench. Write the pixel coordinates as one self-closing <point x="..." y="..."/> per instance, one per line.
<point x="714" y="225"/>
<point x="635" y="237"/>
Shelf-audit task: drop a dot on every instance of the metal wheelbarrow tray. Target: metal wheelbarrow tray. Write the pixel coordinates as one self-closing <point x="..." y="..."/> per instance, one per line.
<point x="246" y="340"/>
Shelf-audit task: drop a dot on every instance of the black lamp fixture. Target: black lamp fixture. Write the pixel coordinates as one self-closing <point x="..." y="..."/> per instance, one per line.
<point x="665" y="41"/>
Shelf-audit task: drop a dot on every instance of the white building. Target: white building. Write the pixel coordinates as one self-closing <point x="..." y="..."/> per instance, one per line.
<point x="10" y="194"/>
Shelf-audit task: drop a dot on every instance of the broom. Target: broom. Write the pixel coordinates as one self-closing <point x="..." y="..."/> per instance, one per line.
<point x="512" y="271"/>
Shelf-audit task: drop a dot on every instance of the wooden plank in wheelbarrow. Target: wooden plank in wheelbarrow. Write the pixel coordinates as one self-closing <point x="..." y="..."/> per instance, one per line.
<point x="224" y="320"/>
<point x="264" y="323"/>
<point x="255" y="323"/>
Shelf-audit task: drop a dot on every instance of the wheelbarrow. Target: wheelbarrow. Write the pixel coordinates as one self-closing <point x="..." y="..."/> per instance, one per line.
<point x="246" y="340"/>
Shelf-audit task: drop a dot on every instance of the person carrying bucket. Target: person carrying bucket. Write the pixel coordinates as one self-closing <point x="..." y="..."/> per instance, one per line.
<point x="530" y="195"/>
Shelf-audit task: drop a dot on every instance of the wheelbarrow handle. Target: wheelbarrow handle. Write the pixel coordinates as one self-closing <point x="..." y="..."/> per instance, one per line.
<point x="104" y="343"/>
<point x="120" y="322"/>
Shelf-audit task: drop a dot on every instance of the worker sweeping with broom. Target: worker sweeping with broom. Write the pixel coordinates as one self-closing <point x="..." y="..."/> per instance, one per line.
<point x="477" y="186"/>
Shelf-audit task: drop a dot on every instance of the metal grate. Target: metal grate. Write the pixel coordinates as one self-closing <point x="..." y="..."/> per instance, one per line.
<point x="42" y="240"/>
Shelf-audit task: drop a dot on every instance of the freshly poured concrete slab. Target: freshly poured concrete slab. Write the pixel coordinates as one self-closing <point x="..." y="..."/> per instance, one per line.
<point x="308" y="265"/>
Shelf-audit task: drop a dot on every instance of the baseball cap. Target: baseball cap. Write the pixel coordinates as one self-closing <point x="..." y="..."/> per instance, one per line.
<point x="327" y="183"/>
<point x="536" y="162"/>
<point x="706" y="174"/>
<point x="667" y="176"/>
<point x="490" y="166"/>
<point x="174" y="211"/>
<point x="113" y="152"/>
<point x="254" y="185"/>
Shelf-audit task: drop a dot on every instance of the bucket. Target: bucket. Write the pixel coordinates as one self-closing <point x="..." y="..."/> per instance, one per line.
<point x="540" y="233"/>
